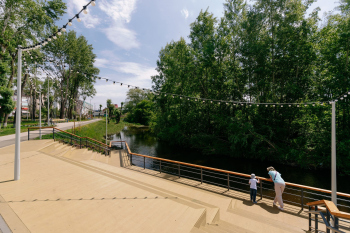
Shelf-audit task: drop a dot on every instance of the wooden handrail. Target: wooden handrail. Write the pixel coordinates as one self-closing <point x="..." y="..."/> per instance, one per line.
<point x="69" y="134"/>
<point x="332" y="208"/>
<point x="230" y="172"/>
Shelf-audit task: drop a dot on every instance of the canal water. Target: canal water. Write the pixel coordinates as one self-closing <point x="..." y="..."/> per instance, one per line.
<point x="141" y="141"/>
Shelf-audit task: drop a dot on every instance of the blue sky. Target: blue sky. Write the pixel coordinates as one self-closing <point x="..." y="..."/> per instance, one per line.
<point x="127" y="36"/>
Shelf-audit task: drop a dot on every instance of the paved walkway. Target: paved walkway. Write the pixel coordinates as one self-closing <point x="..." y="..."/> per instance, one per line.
<point x="10" y="139"/>
<point x="64" y="189"/>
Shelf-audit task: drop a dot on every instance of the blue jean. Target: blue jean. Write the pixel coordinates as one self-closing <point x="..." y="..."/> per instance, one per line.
<point x="253" y="195"/>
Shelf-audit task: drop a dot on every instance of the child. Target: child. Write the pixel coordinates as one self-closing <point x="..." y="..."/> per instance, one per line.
<point x="253" y="188"/>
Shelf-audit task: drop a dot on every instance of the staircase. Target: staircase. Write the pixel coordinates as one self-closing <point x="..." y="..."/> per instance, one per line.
<point x="188" y="209"/>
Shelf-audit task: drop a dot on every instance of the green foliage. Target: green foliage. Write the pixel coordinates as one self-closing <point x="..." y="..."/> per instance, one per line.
<point x="269" y="52"/>
<point x="142" y="113"/>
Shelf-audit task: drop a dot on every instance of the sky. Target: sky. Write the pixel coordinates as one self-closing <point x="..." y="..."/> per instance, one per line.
<point x="127" y="36"/>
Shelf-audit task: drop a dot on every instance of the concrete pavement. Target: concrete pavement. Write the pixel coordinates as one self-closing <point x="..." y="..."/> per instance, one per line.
<point x="10" y="139"/>
<point x="66" y="189"/>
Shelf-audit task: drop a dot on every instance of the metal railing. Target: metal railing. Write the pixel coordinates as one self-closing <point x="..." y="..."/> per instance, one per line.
<point x="326" y="214"/>
<point x="68" y="138"/>
<point x="294" y="194"/>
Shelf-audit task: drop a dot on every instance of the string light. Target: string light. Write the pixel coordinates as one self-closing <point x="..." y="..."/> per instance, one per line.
<point x="78" y="19"/>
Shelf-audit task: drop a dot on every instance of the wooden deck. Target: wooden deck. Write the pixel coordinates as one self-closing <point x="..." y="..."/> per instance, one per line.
<point x="64" y="189"/>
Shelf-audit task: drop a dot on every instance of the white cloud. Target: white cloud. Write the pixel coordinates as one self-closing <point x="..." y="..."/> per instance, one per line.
<point x="122" y="36"/>
<point x="119" y="13"/>
<point x="185" y="13"/>
<point x="101" y="63"/>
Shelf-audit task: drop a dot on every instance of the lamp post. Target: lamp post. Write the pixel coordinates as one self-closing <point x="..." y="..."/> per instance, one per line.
<point x="48" y="101"/>
<point x="18" y="116"/>
<point x="40" y="114"/>
<point x="334" y="164"/>
<point x="106" y="123"/>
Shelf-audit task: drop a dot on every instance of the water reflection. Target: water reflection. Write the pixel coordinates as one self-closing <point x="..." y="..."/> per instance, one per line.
<point x="141" y="141"/>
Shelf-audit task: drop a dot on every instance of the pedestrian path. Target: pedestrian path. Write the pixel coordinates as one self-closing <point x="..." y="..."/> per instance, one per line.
<point x="65" y="189"/>
<point x="10" y="139"/>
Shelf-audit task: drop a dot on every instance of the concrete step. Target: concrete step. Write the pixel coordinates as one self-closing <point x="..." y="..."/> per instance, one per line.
<point x="192" y="197"/>
<point x="221" y="227"/>
<point x="150" y="214"/>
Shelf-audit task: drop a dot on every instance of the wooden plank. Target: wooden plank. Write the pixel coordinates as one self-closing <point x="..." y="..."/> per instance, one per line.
<point x="320" y="202"/>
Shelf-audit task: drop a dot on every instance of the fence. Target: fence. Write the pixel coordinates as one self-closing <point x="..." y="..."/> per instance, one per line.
<point x="68" y="138"/>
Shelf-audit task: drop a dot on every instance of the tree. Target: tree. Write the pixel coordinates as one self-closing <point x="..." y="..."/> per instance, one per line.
<point x="24" y="21"/>
<point x="74" y="53"/>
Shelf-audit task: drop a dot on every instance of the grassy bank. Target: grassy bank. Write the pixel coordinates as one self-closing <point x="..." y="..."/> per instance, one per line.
<point x="96" y="130"/>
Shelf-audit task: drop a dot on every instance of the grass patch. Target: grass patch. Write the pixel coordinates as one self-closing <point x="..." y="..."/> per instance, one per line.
<point x="96" y="130"/>
<point x="10" y="130"/>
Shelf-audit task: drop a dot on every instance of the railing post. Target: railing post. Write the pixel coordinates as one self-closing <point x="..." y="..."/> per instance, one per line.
<point x="336" y="222"/>
<point x="328" y="220"/>
<point x="28" y="134"/>
<point x="261" y="195"/>
<point x="302" y="199"/>
<point x="228" y="182"/>
<point x="316" y="220"/>
<point x="179" y="170"/>
<point x="201" y="175"/>
<point x="80" y="143"/>
<point x="310" y="219"/>
<point x="53" y="133"/>
<point x="86" y="142"/>
<point x="71" y="139"/>
<point x="130" y="159"/>
<point x="160" y="166"/>
<point x="144" y="162"/>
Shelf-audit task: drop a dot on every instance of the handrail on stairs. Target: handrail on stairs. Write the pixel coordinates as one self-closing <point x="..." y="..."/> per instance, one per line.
<point x="330" y="212"/>
<point x="81" y="143"/>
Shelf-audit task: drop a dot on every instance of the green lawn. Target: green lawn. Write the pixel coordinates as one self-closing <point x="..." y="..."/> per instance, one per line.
<point x="10" y="130"/>
<point x="96" y="130"/>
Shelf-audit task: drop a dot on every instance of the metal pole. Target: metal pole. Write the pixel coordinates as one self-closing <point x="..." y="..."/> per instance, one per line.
<point x="40" y="115"/>
<point x="18" y="116"/>
<point x="334" y="164"/>
<point x="106" y="123"/>
<point x="48" y="101"/>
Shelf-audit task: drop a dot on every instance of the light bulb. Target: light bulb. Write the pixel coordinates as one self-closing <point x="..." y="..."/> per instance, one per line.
<point x="78" y="19"/>
<point x="64" y="29"/>
<point x="54" y="37"/>
<point x="59" y="32"/>
<point x="113" y="82"/>
<point x="70" y="22"/>
<point x="93" y="3"/>
<point x="84" y="10"/>
<point x="49" y="39"/>
<point x="281" y="106"/>
<point x="121" y="84"/>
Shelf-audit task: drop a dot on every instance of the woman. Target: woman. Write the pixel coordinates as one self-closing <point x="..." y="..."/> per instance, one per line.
<point x="275" y="176"/>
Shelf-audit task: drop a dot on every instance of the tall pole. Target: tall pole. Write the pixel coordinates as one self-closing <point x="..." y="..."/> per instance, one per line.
<point x="18" y="116"/>
<point x="106" y="124"/>
<point x="334" y="164"/>
<point x="40" y="114"/>
<point x="48" y="101"/>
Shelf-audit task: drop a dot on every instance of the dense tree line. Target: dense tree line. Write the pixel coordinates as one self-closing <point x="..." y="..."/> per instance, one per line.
<point x="25" y="22"/>
<point x="268" y="52"/>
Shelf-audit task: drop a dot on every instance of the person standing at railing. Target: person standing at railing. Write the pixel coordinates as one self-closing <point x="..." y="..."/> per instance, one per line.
<point x="253" y="187"/>
<point x="275" y="176"/>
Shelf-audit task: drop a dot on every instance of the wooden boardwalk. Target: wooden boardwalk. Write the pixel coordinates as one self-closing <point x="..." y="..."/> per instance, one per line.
<point x="63" y="189"/>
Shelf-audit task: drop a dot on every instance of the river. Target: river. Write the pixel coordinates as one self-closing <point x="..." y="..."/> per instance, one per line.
<point x="141" y="141"/>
